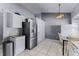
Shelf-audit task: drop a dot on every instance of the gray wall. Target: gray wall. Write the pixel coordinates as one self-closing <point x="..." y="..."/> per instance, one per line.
<point x="53" y="25"/>
<point x="51" y="31"/>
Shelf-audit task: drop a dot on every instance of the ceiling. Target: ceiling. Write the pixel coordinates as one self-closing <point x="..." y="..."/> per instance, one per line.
<point x="49" y="7"/>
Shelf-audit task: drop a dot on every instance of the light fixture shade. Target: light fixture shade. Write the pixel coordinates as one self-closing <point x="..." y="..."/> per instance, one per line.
<point x="60" y="15"/>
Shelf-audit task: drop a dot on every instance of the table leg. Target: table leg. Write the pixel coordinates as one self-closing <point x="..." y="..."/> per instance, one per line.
<point x="63" y="48"/>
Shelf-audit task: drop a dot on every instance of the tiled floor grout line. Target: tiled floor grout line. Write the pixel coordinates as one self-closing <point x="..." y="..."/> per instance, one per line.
<point x="48" y="50"/>
<point x="57" y="49"/>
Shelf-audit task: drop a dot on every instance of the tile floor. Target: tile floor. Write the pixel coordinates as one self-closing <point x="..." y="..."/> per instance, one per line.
<point x="46" y="48"/>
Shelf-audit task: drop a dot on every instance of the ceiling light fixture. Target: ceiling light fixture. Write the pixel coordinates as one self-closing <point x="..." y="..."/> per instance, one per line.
<point x="60" y="15"/>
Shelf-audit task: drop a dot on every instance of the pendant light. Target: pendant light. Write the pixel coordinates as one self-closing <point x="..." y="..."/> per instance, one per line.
<point x="60" y="15"/>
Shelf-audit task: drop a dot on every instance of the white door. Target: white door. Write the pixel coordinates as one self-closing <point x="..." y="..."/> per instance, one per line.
<point x="43" y="30"/>
<point x="40" y="30"/>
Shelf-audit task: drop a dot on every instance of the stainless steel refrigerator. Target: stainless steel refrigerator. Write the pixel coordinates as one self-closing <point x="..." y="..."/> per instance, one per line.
<point x="29" y="29"/>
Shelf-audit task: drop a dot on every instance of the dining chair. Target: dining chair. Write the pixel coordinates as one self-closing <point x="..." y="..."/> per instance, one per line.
<point x="60" y="38"/>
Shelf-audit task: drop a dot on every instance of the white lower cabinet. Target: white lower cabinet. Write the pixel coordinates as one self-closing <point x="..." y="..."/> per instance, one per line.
<point x="19" y="44"/>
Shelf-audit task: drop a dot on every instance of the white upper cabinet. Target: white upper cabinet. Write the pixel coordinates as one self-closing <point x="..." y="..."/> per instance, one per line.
<point x="14" y="20"/>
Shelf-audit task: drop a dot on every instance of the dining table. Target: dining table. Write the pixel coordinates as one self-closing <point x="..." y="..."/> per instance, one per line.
<point x="65" y="39"/>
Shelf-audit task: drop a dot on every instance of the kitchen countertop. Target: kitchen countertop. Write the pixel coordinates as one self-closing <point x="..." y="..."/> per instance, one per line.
<point x="18" y="35"/>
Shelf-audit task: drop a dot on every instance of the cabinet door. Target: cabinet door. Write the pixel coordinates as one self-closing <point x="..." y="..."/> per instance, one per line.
<point x="14" y="20"/>
<point x="17" y="21"/>
<point x="40" y="30"/>
<point x="19" y="44"/>
<point x="43" y="30"/>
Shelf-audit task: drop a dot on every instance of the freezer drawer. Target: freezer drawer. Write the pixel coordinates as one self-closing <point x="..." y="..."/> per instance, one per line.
<point x="33" y="43"/>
